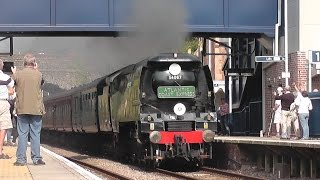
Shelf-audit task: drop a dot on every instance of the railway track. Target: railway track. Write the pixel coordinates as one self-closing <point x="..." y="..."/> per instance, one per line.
<point x="209" y="173"/>
<point x="104" y="172"/>
<point x="229" y="174"/>
<point x="174" y="174"/>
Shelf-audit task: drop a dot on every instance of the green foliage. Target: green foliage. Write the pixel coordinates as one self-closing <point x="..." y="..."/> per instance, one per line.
<point x="190" y="44"/>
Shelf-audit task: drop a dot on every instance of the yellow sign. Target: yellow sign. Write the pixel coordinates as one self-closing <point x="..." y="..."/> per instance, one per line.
<point x="205" y="125"/>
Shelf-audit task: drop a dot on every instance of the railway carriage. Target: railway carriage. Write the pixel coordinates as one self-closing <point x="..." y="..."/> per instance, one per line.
<point x="157" y="109"/>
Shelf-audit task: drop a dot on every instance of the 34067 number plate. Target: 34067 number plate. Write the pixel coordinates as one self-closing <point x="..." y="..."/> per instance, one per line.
<point x="176" y="92"/>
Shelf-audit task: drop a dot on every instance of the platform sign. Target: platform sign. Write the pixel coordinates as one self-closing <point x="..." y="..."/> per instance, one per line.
<point x="268" y="58"/>
<point x="314" y="56"/>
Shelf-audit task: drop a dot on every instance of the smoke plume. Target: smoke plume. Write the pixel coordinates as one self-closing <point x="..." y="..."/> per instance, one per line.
<point x="159" y="27"/>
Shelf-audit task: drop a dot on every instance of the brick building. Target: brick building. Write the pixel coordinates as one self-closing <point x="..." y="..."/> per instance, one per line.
<point x="303" y="35"/>
<point x="215" y="62"/>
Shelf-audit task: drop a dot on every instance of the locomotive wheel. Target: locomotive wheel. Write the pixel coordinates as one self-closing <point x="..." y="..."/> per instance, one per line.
<point x="119" y="148"/>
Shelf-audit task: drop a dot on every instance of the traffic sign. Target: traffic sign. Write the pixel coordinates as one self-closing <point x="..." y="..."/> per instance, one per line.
<point x="314" y="56"/>
<point x="268" y="58"/>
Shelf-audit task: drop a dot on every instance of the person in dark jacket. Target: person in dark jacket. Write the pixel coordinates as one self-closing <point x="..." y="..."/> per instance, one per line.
<point x="286" y="100"/>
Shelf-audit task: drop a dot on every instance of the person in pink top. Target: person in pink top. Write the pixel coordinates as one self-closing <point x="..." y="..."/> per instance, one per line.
<point x="224" y="111"/>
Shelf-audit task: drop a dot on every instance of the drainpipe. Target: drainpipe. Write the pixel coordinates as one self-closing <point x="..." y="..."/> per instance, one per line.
<point x="276" y="53"/>
<point x="210" y="56"/>
<point x="276" y="29"/>
<point x="286" y="50"/>
<point x="230" y="78"/>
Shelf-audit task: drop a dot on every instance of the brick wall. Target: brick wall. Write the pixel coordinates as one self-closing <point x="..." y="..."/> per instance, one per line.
<point x="217" y="61"/>
<point x="298" y="73"/>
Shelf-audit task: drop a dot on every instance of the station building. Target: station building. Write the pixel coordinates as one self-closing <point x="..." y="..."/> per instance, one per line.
<point x="303" y="36"/>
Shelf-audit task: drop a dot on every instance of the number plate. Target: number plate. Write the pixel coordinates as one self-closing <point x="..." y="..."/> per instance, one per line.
<point x="176" y="92"/>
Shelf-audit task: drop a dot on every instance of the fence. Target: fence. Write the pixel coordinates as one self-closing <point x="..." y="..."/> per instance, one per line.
<point x="247" y="121"/>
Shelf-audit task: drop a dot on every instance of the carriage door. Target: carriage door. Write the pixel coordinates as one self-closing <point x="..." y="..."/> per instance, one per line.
<point x="54" y="116"/>
<point x="81" y="113"/>
<point x="103" y="110"/>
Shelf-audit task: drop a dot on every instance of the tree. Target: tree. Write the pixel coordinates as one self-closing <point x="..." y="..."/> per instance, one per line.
<point x="191" y="44"/>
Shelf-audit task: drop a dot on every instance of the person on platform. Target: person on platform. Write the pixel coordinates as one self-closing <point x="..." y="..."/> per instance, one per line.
<point x="29" y="109"/>
<point x="224" y="112"/>
<point x="304" y="105"/>
<point x="277" y="111"/>
<point x="12" y="132"/>
<point x="286" y="100"/>
<point x="294" y="117"/>
<point x="5" y="117"/>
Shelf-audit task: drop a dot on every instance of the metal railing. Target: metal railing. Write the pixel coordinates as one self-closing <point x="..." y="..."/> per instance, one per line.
<point x="247" y="121"/>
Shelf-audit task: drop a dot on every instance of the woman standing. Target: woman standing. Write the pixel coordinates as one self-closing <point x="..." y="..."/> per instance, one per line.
<point x="305" y="105"/>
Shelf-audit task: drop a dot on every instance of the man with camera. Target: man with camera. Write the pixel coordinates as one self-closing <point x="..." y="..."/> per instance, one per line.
<point x="29" y="110"/>
<point x="5" y="116"/>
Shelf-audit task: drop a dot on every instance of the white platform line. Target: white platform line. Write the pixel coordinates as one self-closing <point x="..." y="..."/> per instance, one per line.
<point x="79" y="169"/>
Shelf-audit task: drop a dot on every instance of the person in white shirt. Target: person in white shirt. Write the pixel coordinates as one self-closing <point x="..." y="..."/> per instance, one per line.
<point x="277" y="112"/>
<point x="11" y="135"/>
<point x="5" y="116"/>
<point x="304" y="106"/>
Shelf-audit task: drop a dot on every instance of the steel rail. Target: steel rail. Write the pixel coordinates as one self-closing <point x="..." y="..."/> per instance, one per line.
<point x="230" y="174"/>
<point x="174" y="174"/>
<point x="103" y="171"/>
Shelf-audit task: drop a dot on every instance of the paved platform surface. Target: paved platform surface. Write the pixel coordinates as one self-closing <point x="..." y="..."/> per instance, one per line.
<point x="268" y="141"/>
<point x="56" y="167"/>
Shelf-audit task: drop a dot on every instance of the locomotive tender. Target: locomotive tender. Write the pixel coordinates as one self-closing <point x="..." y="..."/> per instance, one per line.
<point x="157" y="109"/>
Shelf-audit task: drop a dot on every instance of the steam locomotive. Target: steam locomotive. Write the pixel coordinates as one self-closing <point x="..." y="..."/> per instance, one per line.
<point x="157" y="109"/>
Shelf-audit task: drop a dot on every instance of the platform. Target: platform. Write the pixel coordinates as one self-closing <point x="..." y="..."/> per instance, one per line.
<point x="272" y="141"/>
<point x="285" y="158"/>
<point x="56" y="167"/>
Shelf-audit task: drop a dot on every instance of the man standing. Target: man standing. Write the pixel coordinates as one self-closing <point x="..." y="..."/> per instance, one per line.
<point x="5" y="116"/>
<point x="29" y="109"/>
<point x="286" y="100"/>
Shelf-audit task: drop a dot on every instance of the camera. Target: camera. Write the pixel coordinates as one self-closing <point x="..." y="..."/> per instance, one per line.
<point x="7" y="66"/>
